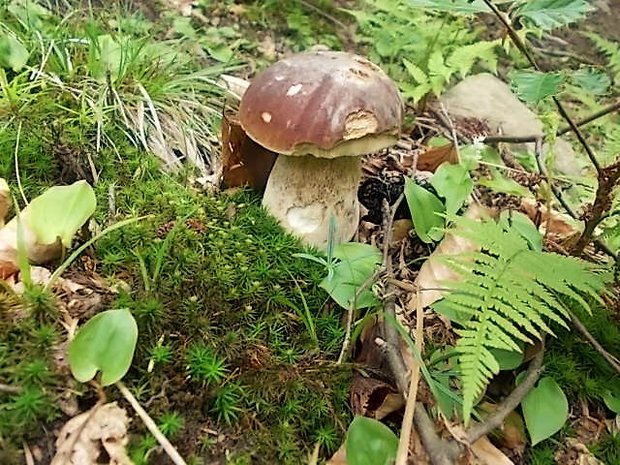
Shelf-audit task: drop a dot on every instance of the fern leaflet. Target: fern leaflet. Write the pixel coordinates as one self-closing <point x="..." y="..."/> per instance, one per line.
<point x="509" y="293"/>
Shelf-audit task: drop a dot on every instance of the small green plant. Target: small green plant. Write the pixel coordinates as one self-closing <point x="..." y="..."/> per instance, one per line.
<point x="170" y="424"/>
<point x="106" y="343"/>
<point x="204" y="365"/>
<point x="227" y="402"/>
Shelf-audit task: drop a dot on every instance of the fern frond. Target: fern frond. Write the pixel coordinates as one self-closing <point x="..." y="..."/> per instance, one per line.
<point x="464" y="58"/>
<point x="608" y="48"/>
<point x="509" y="293"/>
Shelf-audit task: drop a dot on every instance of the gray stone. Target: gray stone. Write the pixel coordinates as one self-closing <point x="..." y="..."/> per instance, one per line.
<point x="485" y="97"/>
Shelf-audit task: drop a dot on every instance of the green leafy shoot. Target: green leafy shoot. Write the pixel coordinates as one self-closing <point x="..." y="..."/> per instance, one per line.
<point x="105" y="344"/>
<point x="545" y="410"/>
<point x="370" y="442"/>
<point x="551" y="14"/>
<point x="427" y="212"/>
<point x="535" y="86"/>
<point x="60" y="211"/>
<point x="355" y="266"/>
<point x="509" y="293"/>
<point x="454" y="184"/>
<point x="13" y="54"/>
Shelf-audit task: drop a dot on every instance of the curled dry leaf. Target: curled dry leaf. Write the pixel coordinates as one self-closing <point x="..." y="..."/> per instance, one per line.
<point x="562" y="226"/>
<point x="485" y="453"/>
<point x="435" y="156"/>
<point x="244" y="161"/>
<point x="83" y="438"/>
<point x="434" y="273"/>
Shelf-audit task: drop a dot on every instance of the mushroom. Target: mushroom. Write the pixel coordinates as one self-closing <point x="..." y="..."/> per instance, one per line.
<point x="320" y="111"/>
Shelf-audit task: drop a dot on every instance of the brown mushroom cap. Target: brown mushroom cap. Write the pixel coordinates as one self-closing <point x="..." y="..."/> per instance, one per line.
<point x="328" y="104"/>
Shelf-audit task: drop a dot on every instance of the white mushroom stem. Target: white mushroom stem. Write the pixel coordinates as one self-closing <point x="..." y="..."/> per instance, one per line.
<point x="303" y="193"/>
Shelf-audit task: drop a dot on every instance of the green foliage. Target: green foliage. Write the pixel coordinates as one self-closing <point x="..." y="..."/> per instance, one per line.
<point x="421" y="50"/>
<point x="204" y="365"/>
<point x="551" y="14"/>
<point x="535" y="86"/>
<point x="454" y="184"/>
<point x="427" y="211"/>
<point x="508" y="294"/>
<point x="170" y="424"/>
<point x="13" y="54"/>
<point x="370" y="442"/>
<point x="545" y="410"/>
<point x="610" y="49"/>
<point x="355" y="264"/>
<point x="60" y="212"/>
<point x="106" y="343"/>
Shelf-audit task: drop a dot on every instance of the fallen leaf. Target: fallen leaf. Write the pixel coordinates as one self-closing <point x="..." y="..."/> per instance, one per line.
<point x="559" y="224"/>
<point x="374" y="398"/>
<point x="83" y="438"/>
<point x="575" y="453"/>
<point x="487" y="454"/>
<point x="340" y="457"/>
<point x="245" y="163"/>
<point x="434" y="272"/>
<point x="435" y="156"/>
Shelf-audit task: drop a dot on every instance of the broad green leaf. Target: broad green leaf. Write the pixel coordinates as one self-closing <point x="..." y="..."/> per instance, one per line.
<point x="591" y="80"/>
<point x="357" y="263"/>
<point x="612" y="400"/>
<point x="60" y="211"/>
<point x="534" y="86"/>
<point x="451" y="6"/>
<point x="526" y="229"/>
<point x="454" y="184"/>
<point x="370" y="442"/>
<point x="545" y="410"/>
<point x="106" y="343"/>
<point x="549" y="14"/>
<point x="426" y="212"/>
<point x="13" y="54"/>
<point x="30" y="14"/>
<point x="220" y="52"/>
<point x="182" y="25"/>
<point x="507" y="359"/>
<point x="504" y="185"/>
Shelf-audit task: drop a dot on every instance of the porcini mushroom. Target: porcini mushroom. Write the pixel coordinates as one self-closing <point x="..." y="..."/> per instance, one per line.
<point x="320" y="111"/>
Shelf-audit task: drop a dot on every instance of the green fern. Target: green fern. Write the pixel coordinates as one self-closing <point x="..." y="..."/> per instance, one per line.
<point x="509" y="293"/>
<point x="610" y="49"/>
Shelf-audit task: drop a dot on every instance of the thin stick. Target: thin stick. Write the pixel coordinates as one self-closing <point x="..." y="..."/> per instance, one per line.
<point x="510" y="402"/>
<point x="532" y="138"/>
<point x="613" y="361"/>
<point x="16" y="161"/>
<point x="150" y="424"/>
<point x="351" y="310"/>
<point x="523" y="49"/>
<point x="8" y="389"/>
<point x="405" y="431"/>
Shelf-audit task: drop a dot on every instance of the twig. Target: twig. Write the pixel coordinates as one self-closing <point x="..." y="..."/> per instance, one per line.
<point x="613" y="361"/>
<point x="510" y="402"/>
<point x="8" y="389"/>
<point x="405" y="430"/>
<point x="608" y="178"/>
<point x="347" y="336"/>
<point x="532" y="138"/>
<point x="150" y="424"/>
<point x="441" y="452"/>
<point x="523" y="49"/>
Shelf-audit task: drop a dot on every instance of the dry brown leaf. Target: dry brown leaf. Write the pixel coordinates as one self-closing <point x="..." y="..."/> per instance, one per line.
<point x="435" y="156"/>
<point x="575" y="453"/>
<point x="486" y="453"/>
<point x="83" y="438"/>
<point x="433" y="272"/>
<point x="400" y="230"/>
<point x="374" y="398"/>
<point x="245" y="162"/>
<point x="559" y="224"/>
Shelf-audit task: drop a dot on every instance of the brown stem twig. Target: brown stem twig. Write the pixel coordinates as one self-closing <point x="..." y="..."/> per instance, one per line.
<point x="608" y="178"/>
<point x="525" y="52"/>
<point x="532" y="138"/>
<point x="613" y="361"/>
<point x="510" y="402"/>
